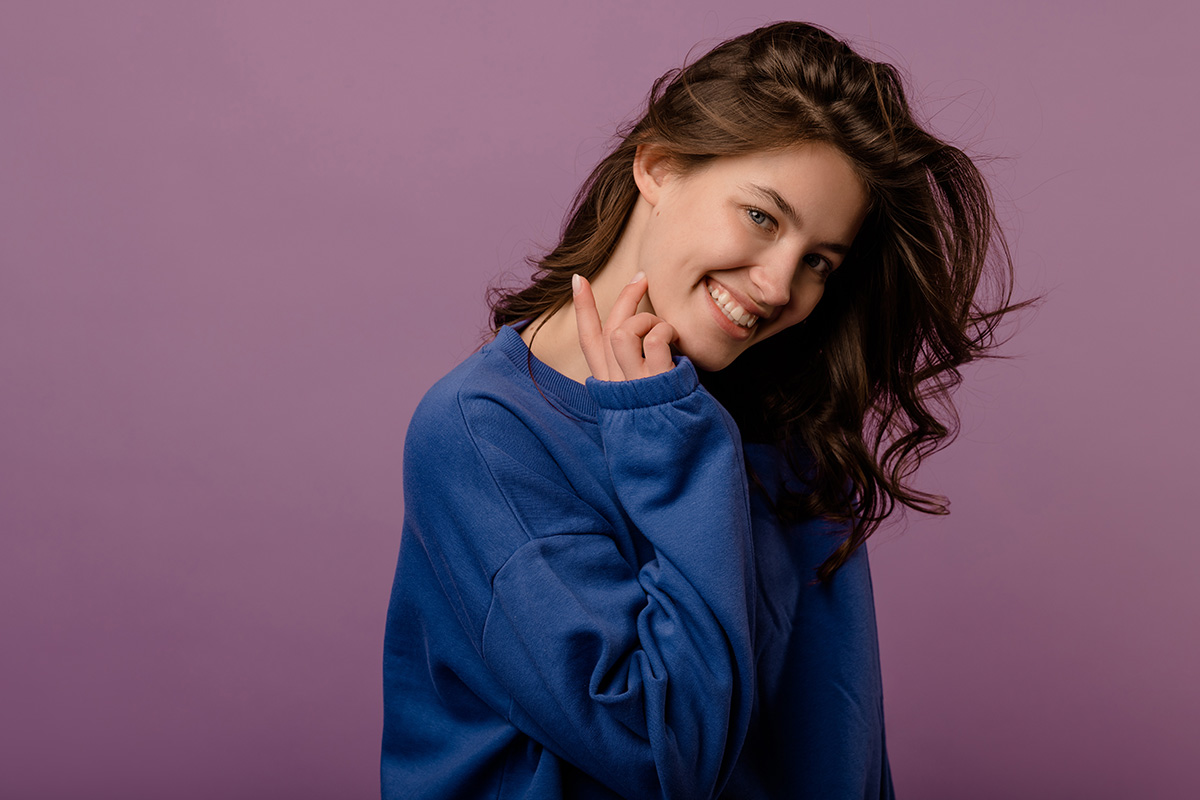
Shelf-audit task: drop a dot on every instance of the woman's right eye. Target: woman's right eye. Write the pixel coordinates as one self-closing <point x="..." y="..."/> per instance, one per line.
<point x="760" y="218"/>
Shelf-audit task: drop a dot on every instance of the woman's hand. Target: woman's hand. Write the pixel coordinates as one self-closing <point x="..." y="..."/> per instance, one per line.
<point x="628" y="345"/>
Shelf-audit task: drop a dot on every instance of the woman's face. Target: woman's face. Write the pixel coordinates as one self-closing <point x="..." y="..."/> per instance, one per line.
<point x="739" y="249"/>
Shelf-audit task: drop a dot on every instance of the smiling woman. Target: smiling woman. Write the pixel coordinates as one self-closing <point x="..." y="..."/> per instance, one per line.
<point x="727" y="258"/>
<point x="632" y="559"/>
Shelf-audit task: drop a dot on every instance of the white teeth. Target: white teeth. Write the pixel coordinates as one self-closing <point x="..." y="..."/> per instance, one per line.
<point x="736" y="314"/>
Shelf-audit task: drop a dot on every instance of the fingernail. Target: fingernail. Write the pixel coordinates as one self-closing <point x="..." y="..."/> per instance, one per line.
<point x="576" y="283"/>
<point x="638" y="277"/>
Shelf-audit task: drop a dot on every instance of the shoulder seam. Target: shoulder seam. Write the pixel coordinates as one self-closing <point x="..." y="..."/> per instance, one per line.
<point x="458" y="401"/>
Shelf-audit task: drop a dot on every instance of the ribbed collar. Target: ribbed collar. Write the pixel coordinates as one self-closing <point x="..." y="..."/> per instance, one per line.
<point x="568" y="394"/>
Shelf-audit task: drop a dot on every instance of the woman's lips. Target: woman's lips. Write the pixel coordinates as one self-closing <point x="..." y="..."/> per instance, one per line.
<point x="722" y="320"/>
<point x="736" y="309"/>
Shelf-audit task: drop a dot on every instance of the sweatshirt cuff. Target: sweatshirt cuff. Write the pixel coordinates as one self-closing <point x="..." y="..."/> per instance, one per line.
<point x="667" y="387"/>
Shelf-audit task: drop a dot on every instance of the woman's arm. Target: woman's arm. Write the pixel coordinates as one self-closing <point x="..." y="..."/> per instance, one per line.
<point x="634" y="666"/>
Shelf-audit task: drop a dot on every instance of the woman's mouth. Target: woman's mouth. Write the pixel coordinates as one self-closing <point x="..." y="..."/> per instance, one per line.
<point x="729" y="307"/>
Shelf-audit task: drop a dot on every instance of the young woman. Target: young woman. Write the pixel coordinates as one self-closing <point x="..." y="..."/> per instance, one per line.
<point x="632" y="560"/>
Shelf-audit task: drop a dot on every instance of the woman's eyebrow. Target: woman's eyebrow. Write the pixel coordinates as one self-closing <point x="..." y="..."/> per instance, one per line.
<point x="774" y="197"/>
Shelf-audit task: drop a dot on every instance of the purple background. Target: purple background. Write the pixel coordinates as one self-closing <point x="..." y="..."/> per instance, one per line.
<point x="238" y="240"/>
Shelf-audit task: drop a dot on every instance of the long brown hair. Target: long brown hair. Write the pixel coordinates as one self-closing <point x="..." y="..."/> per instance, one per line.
<point x="859" y="393"/>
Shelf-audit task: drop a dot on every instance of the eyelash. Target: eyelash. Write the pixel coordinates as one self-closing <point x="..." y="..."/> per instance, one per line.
<point x="768" y="223"/>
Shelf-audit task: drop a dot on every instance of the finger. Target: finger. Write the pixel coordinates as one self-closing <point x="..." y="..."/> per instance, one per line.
<point x="627" y="302"/>
<point x="587" y="320"/>
<point x="622" y="310"/>
<point x="627" y="344"/>
<point x="657" y="346"/>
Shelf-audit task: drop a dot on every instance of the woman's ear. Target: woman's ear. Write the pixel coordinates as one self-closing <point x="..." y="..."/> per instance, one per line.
<point x="651" y="168"/>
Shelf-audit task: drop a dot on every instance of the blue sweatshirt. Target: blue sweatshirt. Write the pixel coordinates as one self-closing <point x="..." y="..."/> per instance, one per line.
<point x="591" y="603"/>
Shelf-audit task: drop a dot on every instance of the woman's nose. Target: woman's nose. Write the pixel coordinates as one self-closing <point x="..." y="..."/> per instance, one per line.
<point x="773" y="278"/>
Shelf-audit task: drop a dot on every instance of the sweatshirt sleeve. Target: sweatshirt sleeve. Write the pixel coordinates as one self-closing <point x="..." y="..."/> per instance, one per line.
<point x="640" y="676"/>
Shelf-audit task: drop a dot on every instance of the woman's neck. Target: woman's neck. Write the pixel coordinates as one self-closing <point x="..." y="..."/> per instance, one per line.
<point x="554" y="338"/>
<point x="549" y="337"/>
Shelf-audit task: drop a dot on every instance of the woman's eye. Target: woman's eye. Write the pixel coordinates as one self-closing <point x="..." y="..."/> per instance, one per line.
<point x="760" y="218"/>
<point x="819" y="263"/>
